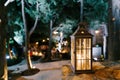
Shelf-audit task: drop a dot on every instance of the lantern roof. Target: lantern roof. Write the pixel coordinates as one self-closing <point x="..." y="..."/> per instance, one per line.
<point x="82" y="32"/>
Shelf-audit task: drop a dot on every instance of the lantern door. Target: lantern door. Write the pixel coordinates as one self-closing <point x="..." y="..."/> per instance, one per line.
<point x="83" y="54"/>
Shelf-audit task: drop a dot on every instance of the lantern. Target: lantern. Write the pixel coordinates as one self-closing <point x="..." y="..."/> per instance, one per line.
<point x="81" y="51"/>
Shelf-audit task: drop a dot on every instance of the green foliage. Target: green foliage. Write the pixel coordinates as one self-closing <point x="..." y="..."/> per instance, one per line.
<point x="31" y="2"/>
<point x="96" y="10"/>
<point x="61" y="10"/>
<point x="65" y="12"/>
<point x="48" y="10"/>
<point x="14" y="19"/>
<point x="30" y="8"/>
<point x="67" y="27"/>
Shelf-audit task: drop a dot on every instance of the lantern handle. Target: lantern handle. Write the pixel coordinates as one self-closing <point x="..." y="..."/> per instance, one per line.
<point x="83" y="24"/>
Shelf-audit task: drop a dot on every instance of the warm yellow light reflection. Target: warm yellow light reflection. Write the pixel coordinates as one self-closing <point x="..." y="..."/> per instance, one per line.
<point x="37" y="43"/>
<point x="97" y="31"/>
<point x="35" y="53"/>
<point x="43" y="40"/>
<point x="0" y="20"/>
<point x="55" y="32"/>
<point x="83" y="54"/>
<point x="47" y="38"/>
<point x="85" y="65"/>
<point x="40" y="54"/>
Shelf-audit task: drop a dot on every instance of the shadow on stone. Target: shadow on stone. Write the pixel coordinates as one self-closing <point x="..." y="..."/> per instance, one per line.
<point x="30" y="72"/>
<point x="13" y="76"/>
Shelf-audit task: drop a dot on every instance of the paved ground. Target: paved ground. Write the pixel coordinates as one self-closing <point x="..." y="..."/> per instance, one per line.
<point x="48" y="70"/>
<point x="61" y="70"/>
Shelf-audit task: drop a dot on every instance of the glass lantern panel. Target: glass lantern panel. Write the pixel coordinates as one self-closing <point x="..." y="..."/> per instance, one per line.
<point x="83" y="54"/>
<point x="83" y="64"/>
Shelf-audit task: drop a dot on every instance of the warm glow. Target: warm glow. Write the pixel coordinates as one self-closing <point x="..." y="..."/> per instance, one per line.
<point x="83" y="54"/>
<point x="82" y="63"/>
<point x="72" y="51"/>
<point x="0" y="20"/>
<point x="37" y="43"/>
<point x="55" y="32"/>
<point x="30" y="63"/>
<point x="40" y="54"/>
<point x="82" y="32"/>
<point x="97" y="31"/>
<point x="33" y="67"/>
<point x="11" y="51"/>
<point x="65" y="43"/>
<point x="81" y="51"/>
<point x="113" y="19"/>
<point x="61" y="34"/>
<point x="43" y="40"/>
<point x="35" y="53"/>
<point x="47" y="38"/>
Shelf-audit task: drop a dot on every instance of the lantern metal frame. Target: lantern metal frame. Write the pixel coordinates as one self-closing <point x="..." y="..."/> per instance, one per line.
<point x="85" y="62"/>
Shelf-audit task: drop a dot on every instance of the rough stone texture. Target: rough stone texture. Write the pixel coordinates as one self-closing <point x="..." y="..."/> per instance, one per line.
<point x="66" y="72"/>
<point x="84" y="77"/>
<point x="116" y="71"/>
<point x="61" y="70"/>
<point x="116" y="74"/>
<point x="97" y="66"/>
<point x="105" y="73"/>
<point x="101" y="72"/>
<point x="22" y="78"/>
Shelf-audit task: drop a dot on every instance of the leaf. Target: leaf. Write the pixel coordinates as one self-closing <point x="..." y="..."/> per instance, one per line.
<point x="31" y="1"/>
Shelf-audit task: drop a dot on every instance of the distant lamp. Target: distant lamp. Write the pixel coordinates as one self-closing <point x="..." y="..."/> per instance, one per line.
<point x="81" y="51"/>
<point x="55" y="32"/>
<point x="97" y="31"/>
<point x="43" y="40"/>
<point x="48" y="39"/>
<point x="0" y="20"/>
<point x="113" y="19"/>
<point x="37" y="43"/>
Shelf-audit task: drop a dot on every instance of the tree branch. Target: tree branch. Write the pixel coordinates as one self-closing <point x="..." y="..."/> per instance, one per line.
<point x="36" y="21"/>
<point x="7" y="2"/>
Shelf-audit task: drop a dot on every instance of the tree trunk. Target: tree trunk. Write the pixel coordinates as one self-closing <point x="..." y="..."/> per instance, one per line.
<point x="28" y="34"/>
<point x="113" y="30"/>
<point x="50" y="40"/>
<point x="27" y="55"/>
<point x="81" y="10"/>
<point x="3" y="22"/>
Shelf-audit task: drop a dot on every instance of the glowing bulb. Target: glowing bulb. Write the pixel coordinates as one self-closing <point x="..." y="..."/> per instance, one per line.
<point x="43" y="40"/>
<point x="37" y="43"/>
<point x="96" y="31"/>
<point x="7" y="57"/>
<point x="0" y="20"/>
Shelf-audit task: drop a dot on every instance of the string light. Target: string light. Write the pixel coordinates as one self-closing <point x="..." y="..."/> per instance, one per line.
<point x="0" y="20"/>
